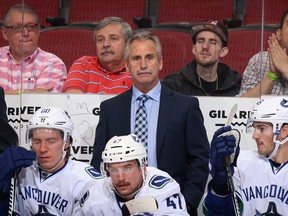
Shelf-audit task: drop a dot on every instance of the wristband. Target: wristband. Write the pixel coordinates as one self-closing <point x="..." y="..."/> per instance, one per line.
<point x="19" y="92"/>
<point x="272" y="76"/>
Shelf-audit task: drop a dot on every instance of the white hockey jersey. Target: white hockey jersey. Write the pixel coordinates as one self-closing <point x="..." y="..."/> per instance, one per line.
<point x="100" y="200"/>
<point x="262" y="187"/>
<point x="55" y="194"/>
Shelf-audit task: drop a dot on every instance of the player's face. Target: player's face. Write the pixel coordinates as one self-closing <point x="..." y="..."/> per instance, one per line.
<point x="26" y="41"/>
<point x="144" y="64"/>
<point x="110" y="42"/>
<point x="126" y="177"/>
<point x="263" y="135"/>
<point x="48" y="145"/>
<point x="208" y="48"/>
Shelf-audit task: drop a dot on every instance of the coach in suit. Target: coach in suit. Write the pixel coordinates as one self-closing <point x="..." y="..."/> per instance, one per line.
<point x="177" y="140"/>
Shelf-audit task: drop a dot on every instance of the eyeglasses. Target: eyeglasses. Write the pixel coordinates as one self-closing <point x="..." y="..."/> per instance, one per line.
<point x="20" y="28"/>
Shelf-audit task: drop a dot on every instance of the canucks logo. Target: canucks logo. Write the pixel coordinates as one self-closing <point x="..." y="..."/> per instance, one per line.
<point x="158" y="182"/>
<point x="284" y="103"/>
<point x="43" y="211"/>
<point x="271" y="211"/>
<point x="93" y="172"/>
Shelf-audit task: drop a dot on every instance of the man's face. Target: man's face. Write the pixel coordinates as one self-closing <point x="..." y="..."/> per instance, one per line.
<point x="48" y="145"/>
<point x="144" y="64"/>
<point x="27" y="39"/>
<point x="110" y="42"/>
<point x="126" y="177"/>
<point x="208" y="48"/>
<point x="263" y="135"/>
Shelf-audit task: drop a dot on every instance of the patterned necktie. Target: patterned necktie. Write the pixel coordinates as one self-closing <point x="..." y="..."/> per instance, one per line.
<point x="141" y="123"/>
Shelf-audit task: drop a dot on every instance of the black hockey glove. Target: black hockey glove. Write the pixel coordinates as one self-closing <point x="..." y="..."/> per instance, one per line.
<point x="225" y="143"/>
<point x="10" y="160"/>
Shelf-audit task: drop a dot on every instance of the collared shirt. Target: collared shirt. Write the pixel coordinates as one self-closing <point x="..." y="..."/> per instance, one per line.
<point x="39" y="70"/>
<point x="256" y="70"/>
<point x="87" y="75"/>
<point x="152" y="106"/>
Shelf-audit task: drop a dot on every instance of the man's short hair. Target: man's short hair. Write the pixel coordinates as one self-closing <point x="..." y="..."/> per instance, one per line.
<point x="20" y="8"/>
<point x="127" y="31"/>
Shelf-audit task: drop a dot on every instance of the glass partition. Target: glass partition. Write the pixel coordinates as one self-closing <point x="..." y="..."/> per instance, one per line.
<point x="34" y="26"/>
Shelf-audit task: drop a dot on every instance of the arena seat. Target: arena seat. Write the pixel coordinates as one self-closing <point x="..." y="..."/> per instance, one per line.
<point x="183" y="13"/>
<point x="91" y="12"/>
<point x="273" y="10"/>
<point x="243" y="43"/>
<point x="68" y="43"/>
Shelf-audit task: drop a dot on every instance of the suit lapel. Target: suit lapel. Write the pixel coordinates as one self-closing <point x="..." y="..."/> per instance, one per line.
<point x="165" y="109"/>
<point x="125" y="111"/>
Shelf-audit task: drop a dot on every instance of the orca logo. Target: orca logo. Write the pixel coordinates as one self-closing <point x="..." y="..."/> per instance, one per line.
<point x="159" y="182"/>
<point x="284" y="103"/>
<point x="93" y="172"/>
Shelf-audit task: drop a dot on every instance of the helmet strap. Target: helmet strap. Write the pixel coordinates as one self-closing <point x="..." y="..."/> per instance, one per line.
<point x="277" y="145"/>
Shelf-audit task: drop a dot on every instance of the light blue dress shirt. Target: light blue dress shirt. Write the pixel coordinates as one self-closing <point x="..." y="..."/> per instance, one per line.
<point x="152" y="108"/>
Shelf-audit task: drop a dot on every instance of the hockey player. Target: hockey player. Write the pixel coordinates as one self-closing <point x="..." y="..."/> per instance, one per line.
<point x="129" y="179"/>
<point x="260" y="178"/>
<point x="54" y="183"/>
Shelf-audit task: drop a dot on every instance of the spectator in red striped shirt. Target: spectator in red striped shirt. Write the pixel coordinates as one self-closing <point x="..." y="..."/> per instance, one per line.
<point x="106" y="72"/>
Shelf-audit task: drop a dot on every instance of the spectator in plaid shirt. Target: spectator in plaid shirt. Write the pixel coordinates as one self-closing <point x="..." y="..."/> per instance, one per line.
<point x="267" y="72"/>
<point x="23" y="65"/>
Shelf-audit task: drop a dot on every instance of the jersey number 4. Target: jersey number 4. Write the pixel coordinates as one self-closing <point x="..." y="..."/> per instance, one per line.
<point x="174" y="201"/>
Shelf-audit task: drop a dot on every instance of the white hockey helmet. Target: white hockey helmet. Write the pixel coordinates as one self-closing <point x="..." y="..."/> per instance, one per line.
<point x="51" y="117"/>
<point x="124" y="148"/>
<point x="121" y="149"/>
<point x="273" y="110"/>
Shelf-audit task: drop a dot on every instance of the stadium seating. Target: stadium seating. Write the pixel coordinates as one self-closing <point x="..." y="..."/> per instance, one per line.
<point x="243" y="43"/>
<point x="185" y="12"/>
<point x="90" y="12"/>
<point x="68" y="43"/>
<point x="273" y="11"/>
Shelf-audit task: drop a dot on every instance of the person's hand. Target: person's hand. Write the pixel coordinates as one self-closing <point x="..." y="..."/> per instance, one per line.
<point x="225" y="143"/>
<point x="14" y="158"/>
<point x="48" y="89"/>
<point x="278" y="57"/>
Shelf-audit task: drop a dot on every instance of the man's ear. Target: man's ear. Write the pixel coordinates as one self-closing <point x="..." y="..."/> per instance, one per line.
<point x="67" y="144"/>
<point x="284" y="131"/>
<point x="193" y="49"/>
<point x="224" y="52"/>
<point x="4" y="33"/>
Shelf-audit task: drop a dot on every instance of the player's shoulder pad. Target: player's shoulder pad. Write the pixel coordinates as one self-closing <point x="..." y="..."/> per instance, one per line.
<point x="93" y="172"/>
<point x="158" y="181"/>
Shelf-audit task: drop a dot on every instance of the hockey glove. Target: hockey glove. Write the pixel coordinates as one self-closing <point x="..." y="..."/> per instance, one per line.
<point x="10" y="160"/>
<point x="225" y="143"/>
